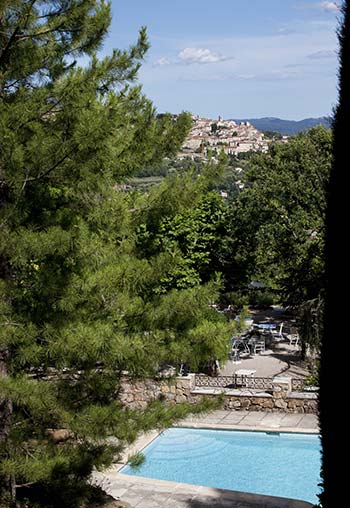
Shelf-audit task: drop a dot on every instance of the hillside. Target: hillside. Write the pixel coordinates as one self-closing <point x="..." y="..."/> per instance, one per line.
<point x="285" y="127"/>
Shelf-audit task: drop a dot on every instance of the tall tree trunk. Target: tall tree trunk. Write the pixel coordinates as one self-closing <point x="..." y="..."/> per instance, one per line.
<point x="335" y="357"/>
<point x="6" y="420"/>
<point x="5" y="404"/>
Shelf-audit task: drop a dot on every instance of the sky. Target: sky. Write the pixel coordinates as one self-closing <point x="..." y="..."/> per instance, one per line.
<point x="234" y="58"/>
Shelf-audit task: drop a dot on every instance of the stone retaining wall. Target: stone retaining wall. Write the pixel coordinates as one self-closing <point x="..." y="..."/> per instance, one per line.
<point x="137" y="394"/>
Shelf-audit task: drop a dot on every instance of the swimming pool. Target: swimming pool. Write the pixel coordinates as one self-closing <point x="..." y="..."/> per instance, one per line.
<point x="285" y="464"/>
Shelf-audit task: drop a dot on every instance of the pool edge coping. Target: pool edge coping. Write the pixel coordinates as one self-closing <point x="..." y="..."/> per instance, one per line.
<point x="252" y="428"/>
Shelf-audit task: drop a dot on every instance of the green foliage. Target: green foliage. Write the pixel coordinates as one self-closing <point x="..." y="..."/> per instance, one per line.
<point x="136" y="460"/>
<point x="181" y="222"/>
<point x="311" y="322"/>
<point x="277" y="222"/>
<point x="235" y="298"/>
<point x="81" y="301"/>
<point x="272" y="134"/>
<point x="262" y="298"/>
<point x="60" y="492"/>
<point x="161" y="416"/>
<point x="313" y="378"/>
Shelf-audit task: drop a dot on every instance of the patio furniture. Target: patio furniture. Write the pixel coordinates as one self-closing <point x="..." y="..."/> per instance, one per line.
<point x="277" y="334"/>
<point x="241" y="376"/>
<point x="245" y="372"/>
<point x="235" y="352"/>
<point x="259" y="345"/>
<point x="293" y="339"/>
<point x="241" y="344"/>
<point x="293" y="336"/>
<point x="265" y="326"/>
<point x="235" y="356"/>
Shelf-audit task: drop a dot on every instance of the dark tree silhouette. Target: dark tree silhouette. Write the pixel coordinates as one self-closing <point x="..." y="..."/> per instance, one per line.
<point x="334" y="363"/>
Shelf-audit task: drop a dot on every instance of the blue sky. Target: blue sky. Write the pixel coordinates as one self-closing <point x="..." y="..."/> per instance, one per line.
<point x="234" y="58"/>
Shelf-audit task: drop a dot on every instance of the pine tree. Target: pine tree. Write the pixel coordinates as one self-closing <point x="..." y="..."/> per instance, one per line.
<point x="78" y="308"/>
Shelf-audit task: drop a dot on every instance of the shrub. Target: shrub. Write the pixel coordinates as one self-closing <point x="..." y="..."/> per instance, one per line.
<point x="136" y="460"/>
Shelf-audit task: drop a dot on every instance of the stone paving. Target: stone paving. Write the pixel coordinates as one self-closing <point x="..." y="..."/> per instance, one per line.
<point x="142" y="492"/>
<point x="255" y="420"/>
<point x="280" y="358"/>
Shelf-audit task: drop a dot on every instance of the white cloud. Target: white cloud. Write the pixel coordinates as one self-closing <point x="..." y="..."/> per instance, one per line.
<point x="261" y="60"/>
<point x="200" y="55"/>
<point x="319" y="55"/>
<point x="326" y="5"/>
<point x="161" y="61"/>
<point x="330" y="6"/>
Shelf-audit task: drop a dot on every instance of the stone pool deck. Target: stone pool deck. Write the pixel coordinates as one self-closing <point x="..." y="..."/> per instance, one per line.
<point x="254" y="420"/>
<point x="141" y="492"/>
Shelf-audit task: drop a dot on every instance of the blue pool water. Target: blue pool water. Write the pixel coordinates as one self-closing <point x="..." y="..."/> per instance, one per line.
<point x="286" y="465"/>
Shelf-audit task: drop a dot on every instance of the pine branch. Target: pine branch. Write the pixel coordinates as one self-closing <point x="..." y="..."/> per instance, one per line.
<point x="8" y="45"/>
<point x="41" y="115"/>
<point x="14" y="34"/>
<point x="59" y="12"/>
<point x="48" y="171"/>
<point x="23" y="485"/>
<point x="46" y="112"/>
<point x="44" y="32"/>
<point x="13" y="83"/>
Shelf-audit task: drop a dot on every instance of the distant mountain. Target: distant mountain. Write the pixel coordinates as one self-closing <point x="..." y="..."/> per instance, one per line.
<point x="285" y="127"/>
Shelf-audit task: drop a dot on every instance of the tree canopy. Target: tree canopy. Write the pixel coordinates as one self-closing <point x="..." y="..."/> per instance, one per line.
<point x="183" y="219"/>
<point x="79" y="303"/>
<point x="277" y="223"/>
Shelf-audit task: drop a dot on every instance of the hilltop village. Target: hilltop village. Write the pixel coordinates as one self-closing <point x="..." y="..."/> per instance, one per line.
<point x="208" y="135"/>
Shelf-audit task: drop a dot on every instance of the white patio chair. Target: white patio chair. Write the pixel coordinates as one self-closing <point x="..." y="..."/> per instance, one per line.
<point x="293" y="339"/>
<point x="259" y="346"/>
<point x="292" y="336"/>
<point x="277" y="334"/>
